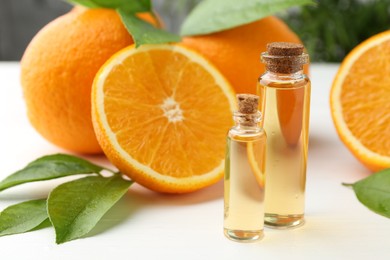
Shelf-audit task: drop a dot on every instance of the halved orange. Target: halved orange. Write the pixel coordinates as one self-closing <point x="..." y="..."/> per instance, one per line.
<point x="161" y="114"/>
<point x="360" y="102"/>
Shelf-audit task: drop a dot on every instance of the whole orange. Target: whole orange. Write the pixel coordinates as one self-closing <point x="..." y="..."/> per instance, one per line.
<point x="236" y="52"/>
<point x="57" y="71"/>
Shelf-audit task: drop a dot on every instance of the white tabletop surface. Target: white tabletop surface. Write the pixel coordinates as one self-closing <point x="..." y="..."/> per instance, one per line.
<point x="147" y="225"/>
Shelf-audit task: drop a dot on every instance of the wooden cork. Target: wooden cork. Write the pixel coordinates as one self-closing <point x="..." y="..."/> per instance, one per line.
<point x="247" y="103"/>
<point x="284" y="57"/>
<point x="284" y="49"/>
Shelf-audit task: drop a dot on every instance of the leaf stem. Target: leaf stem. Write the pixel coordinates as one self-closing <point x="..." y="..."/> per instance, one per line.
<point x="347" y="184"/>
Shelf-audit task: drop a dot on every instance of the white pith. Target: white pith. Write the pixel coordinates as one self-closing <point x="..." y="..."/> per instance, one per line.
<point x="172" y="110"/>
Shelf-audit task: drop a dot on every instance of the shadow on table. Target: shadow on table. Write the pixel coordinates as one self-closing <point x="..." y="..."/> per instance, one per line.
<point x="118" y="214"/>
<point x="147" y="197"/>
<point x="331" y="160"/>
<point x="144" y="196"/>
<point x="139" y="197"/>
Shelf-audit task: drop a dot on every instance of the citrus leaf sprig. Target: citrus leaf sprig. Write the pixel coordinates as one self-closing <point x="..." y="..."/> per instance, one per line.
<point x="211" y="16"/>
<point x="72" y="208"/>
<point x="208" y="16"/>
<point x="141" y="31"/>
<point x="374" y="192"/>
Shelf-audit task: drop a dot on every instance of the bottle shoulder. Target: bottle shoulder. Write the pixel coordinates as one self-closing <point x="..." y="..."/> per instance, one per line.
<point x="276" y="80"/>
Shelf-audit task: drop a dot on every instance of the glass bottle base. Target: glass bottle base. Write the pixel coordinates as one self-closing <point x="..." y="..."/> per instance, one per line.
<point x="283" y="221"/>
<point x="244" y="235"/>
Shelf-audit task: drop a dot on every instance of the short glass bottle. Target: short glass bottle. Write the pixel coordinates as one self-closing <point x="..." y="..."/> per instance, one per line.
<point x="244" y="175"/>
<point x="284" y="92"/>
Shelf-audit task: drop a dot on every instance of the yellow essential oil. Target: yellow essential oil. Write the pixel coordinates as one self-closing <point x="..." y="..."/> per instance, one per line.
<point x="285" y="104"/>
<point x="244" y="174"/>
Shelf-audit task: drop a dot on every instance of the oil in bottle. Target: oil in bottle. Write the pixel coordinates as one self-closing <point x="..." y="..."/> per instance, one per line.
<point x="284" y="92"/>
<point x="244" y="180"/>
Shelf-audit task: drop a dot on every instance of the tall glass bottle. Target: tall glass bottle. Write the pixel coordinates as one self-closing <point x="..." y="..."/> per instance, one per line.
<point x="244" y="173"/>
<point x="284" y="92"/>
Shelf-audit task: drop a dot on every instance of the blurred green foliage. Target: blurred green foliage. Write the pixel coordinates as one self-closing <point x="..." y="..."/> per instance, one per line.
<point x="332" y="28"/>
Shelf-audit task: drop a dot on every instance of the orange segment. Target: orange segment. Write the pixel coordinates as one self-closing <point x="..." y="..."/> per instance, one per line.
<point x="161" y="114"/>
<point x="360" y="102"/>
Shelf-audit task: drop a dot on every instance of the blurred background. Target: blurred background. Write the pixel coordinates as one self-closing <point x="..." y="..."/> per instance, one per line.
<point x="329" y="30"/>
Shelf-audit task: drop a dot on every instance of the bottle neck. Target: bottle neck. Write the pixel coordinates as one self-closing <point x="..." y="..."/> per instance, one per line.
<point x="247" y="121"/>
<point x="285" y="76"/>
<point x="284" y="70"/>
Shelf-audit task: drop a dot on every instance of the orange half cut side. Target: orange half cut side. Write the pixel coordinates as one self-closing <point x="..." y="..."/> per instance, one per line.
<point x="360" y="102"/>
<point x="161" y="114"/>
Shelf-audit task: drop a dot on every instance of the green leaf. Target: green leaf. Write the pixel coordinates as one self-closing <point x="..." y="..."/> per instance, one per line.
<point x="23" y="217"/>
<point x="143" y="32"/>
<point x="46" y="223"/>
<point x="86" y="3"/>
<point x="75" y="207"/>
<point x="216" y="15"/>
<point x="50" y="167"/>
<point x="134" y="6"/>
<point x="374" y="192"/>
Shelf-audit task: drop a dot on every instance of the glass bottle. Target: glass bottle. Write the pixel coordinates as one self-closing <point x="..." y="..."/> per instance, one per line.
<point x="284" y="92"/>
<point x="244" y="173"/>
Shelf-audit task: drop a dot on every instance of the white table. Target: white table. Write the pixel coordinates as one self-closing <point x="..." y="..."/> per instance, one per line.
<point x="147" y="225"/>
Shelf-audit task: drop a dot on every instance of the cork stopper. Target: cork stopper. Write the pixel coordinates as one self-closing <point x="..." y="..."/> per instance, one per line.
<point x="247" y="113"/>
<point x="284" y="57"/>
<point x="247" y="103"/>
<point x="284" y="49"/>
